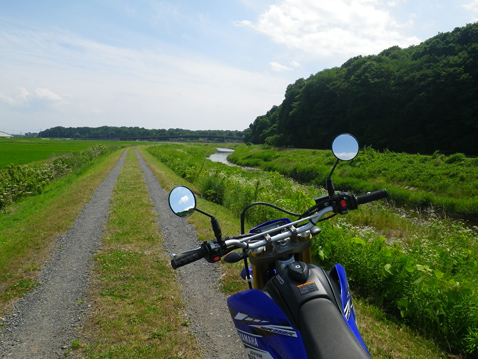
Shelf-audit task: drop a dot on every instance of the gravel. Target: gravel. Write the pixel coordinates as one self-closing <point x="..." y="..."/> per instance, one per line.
<point x="44" y="323"/>
<point x="205" y="303"/>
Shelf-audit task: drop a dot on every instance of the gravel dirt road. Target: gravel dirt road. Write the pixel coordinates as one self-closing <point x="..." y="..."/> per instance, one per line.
<point x="205" y="303"/>
<point x="45" y="322"/>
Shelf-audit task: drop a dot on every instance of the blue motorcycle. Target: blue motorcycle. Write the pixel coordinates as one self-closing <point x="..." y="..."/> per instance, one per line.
<point x="293" y="309"/>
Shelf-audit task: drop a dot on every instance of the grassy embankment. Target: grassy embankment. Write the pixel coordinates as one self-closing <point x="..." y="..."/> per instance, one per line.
<point x="29" y="228"/>
<point x="449" y="183"/>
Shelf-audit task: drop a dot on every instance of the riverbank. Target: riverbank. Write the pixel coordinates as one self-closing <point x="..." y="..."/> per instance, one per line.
<point x="449" y="184"/>
<point x="411" y="268"/>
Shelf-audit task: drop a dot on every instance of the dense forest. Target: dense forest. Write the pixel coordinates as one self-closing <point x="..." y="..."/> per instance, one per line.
<point x="420" y="99"/>
<point x="108" y="132"/>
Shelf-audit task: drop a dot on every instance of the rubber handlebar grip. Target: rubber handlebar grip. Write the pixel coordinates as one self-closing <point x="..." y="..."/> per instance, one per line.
<point x="189" y="257"/>
<point x="372" y="196"/>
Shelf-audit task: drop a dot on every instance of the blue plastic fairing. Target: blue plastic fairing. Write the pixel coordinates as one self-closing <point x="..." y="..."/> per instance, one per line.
<point x="347" y="304"/>
<point x="263" y="327"/>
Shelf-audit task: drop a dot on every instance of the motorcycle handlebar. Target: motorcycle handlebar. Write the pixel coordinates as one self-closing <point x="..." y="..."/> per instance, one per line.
<point x="371" y="196"/>
<point x="213" y="252"/>
<point x="188" y="257"/>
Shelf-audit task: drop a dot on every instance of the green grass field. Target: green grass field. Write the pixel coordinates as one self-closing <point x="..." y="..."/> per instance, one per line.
<point x="23" y="151"/>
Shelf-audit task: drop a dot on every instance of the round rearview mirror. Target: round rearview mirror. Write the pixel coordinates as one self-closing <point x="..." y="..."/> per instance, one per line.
<point x="182" y="201"/>
<point x="345" y="147"/>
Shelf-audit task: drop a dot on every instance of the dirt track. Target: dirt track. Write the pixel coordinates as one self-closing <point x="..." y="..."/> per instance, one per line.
<point x="44" y="323"/>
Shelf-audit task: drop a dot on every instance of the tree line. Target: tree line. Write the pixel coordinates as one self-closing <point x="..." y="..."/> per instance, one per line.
<point x="109" y="132"/>
<point x="420" y="99"/>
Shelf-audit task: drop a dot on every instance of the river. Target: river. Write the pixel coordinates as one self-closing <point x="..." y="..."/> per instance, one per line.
<point x="221" y="156"/>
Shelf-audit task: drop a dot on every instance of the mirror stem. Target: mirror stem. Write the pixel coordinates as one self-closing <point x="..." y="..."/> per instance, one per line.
<point x="329" y="184"/>
<point x="216" y="227"/>
<point x="330" y="187"/>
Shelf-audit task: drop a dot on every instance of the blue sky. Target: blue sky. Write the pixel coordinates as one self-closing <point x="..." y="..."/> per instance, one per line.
<point x="211" y="64"/>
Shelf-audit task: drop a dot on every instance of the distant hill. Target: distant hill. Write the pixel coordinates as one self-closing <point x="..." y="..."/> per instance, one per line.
<point x="420" y="99"/>
<point x="111" y="132"/>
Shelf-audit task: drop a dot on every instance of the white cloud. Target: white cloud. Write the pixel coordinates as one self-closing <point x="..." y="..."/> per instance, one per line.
<point x="329" y="28"/>
<point x="184" y="199"/>
<point x="472" y="6"/>
<point x="275" y="66"/>
<point x="16" y="99"/>
<point x="44" y="93"/>
<point x="7" y="99"/>
<point x="24" y="98"/>
<point x="97" y="84"/>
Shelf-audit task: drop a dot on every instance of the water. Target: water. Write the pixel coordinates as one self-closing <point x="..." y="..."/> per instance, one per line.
<point x="221" y="156"/>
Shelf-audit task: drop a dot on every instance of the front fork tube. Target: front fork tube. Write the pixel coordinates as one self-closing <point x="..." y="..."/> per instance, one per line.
<point x="305" y="256"/>
<point x="259" y="278"/>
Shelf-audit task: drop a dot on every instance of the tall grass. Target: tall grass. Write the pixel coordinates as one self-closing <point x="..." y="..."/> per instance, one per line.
<point x="18" y="181"/>
<point x="233" y="187"/>
<point x="448" y="182"/>
<point x="424" y="273"/>
<point x="427" y="280"/>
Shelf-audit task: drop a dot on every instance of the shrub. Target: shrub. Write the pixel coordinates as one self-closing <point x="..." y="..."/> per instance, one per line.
<point x="213" y="188"/>
<point x="455" y="158"/>
<point x="17" y="181"/>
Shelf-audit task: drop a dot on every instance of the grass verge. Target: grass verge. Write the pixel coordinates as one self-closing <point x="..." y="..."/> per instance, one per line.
<point x="28" y="228"/>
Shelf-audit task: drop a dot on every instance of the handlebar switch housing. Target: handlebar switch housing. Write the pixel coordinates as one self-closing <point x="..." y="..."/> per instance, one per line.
<point x="315" y="231"/>
<point x="214" y="251"/>
<point x="344" y="202"/>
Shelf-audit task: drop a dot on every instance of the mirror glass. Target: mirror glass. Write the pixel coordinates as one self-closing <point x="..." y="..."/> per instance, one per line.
<point x="345" y="147"/>
<point x="182" y="201"/>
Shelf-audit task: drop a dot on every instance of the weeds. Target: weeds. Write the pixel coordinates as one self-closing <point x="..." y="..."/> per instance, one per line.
<point x="448" y="182"/>
<point x="18" y="181"/>
<point x="423" y="272"/>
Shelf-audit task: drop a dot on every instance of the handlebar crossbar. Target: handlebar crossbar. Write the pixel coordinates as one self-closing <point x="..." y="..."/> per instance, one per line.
<point x="245" y="242"/>
<point x="313" y="219"/>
